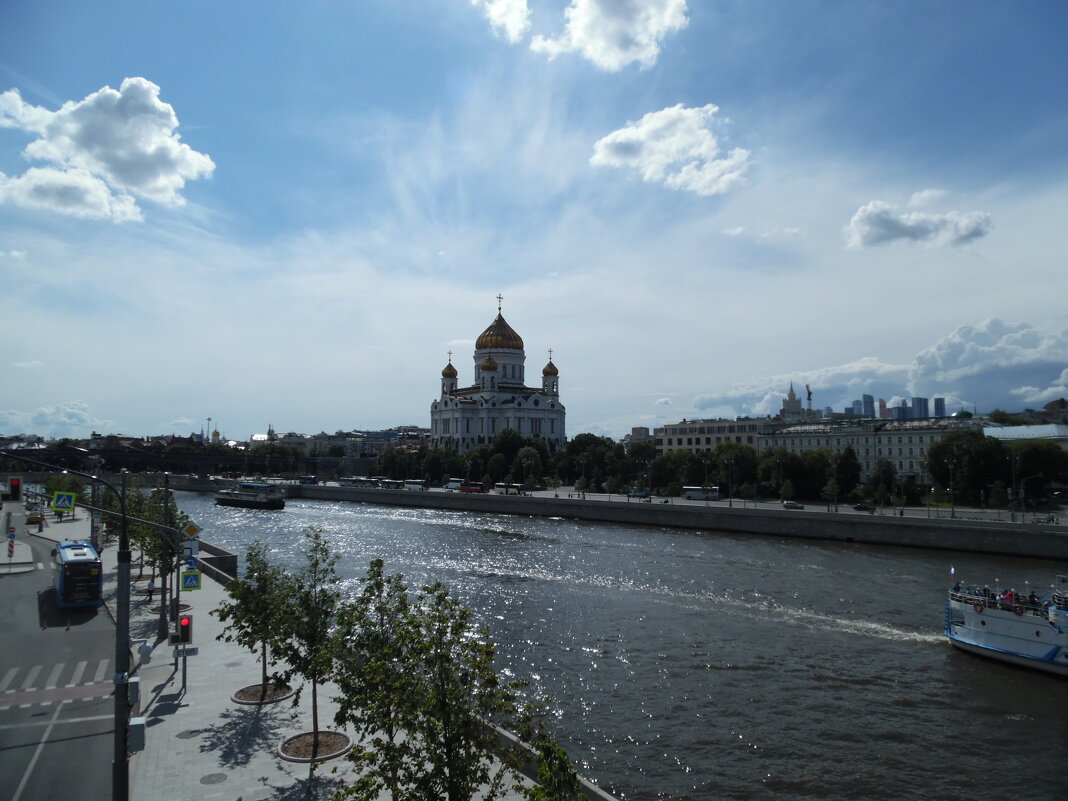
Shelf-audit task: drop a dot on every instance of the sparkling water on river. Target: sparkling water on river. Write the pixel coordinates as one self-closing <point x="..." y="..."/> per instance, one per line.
<point x="696" y="666"/>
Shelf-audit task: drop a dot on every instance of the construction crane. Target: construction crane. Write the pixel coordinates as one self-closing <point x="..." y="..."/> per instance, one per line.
<point x="808" y="390"/>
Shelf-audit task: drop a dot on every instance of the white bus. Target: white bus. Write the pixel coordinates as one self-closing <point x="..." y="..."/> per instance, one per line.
<point x="508" y="489"/>
<point x="415" y="484"/>
<point x="701" y="493"/>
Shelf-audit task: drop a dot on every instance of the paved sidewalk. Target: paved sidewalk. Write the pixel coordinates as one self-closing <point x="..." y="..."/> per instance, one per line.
<point x="200" y="745"/>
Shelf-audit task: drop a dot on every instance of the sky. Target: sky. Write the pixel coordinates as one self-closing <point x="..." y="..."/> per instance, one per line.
<point x="291" y="214"/>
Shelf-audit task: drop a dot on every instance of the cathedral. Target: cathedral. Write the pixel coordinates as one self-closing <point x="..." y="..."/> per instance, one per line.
<point x="465" y="417"/>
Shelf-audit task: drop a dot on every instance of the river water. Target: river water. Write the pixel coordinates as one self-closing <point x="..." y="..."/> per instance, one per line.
<point x="686" y="665"/>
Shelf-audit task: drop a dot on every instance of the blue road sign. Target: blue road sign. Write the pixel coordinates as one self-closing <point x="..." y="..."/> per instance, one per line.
<point x="191" y="580"/>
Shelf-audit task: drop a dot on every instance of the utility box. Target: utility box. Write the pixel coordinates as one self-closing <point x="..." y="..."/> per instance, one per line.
<point x="133" y="691"/>
<point x="136" y="739"/>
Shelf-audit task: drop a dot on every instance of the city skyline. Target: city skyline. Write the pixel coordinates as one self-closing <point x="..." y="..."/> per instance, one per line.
<point x="292" y="217"/>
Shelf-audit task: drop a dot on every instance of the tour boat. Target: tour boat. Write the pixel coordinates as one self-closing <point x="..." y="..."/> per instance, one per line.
<point x="252" y="495"/>
<point x="1021" y="629"/>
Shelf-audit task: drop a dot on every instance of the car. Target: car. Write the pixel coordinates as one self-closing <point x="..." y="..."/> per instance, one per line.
<point x="792" y="505"/>
<point x="863" y="507"/>
<point x="34" y="516"/>
<point x="636" y="492"/>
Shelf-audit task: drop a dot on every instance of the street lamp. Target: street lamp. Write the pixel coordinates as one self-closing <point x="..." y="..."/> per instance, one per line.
<point x="730" y="491"/>
<point x="951" y="463"/>
<point x="120" y="767"/>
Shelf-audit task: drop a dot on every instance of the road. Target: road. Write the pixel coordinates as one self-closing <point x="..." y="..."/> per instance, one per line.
<point x="56" y="708"/>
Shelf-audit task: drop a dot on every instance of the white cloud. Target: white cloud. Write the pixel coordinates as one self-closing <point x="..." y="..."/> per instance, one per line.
<point x="663" y="401"/>
<point x="926" y="196"/>
<point x="11" y="254"/>
<point x="995" y="364"/>
<point x="677" y="147"/>
<point x="615" y="33"/>
<point x="102" y="151"/>
<point x="29" y="365"/>
<point x="510" y="17"/>
<point x="74" y="192"/>
<point x="878" y="223"/>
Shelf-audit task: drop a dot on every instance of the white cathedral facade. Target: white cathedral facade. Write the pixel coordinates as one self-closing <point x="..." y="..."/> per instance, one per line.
<point x="464" y="417"/>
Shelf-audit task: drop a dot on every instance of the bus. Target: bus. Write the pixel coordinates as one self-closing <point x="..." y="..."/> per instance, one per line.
<point x="472" y="486"/>
<point x="416" y="484"/>
<point x="508" y="489"/>
<point x="79" y="574"/>
<point x="701" y="493"/>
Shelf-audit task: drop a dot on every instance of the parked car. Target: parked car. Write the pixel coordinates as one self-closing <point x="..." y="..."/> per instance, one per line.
<point x="792" y="505"/>
<point x="34" y="516"/>
<point x="863" y="507"/>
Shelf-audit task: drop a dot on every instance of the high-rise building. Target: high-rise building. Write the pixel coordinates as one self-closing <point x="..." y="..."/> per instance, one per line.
<point x="920" y="409"/>
<point x="940" y="407"/>
<point x="869" y="405"/>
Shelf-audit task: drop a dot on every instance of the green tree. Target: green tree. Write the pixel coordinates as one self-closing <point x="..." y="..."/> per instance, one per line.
<point x="308" y="611"/>
<point x="379" y="685"/>
<point x="254" y="612"/>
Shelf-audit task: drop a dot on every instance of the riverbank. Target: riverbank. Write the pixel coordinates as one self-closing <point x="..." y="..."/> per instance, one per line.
<point x="975" y="536"/>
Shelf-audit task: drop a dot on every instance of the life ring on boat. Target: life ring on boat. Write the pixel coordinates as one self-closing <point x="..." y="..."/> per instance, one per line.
<point x="978" y="607"/>
<point x="1017" y="609"/>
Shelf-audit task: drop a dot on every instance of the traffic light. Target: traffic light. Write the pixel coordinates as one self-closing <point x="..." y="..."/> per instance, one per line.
<point x="185" y="629"/>
<point x="14" y="489"/>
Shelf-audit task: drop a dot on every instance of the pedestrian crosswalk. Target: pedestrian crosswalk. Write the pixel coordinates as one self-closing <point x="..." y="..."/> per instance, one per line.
<point x="25" y="685"/>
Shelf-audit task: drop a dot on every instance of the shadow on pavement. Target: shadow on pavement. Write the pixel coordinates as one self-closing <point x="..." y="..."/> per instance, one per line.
<point x="244" y="732"/>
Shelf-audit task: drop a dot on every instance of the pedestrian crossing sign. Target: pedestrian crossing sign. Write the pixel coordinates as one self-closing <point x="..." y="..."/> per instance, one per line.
<point x="191" y="580"/>
<point x="63" y="501"/>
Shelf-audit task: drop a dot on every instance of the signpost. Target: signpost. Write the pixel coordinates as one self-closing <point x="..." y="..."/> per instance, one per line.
<point x="63" y="501"/>
<point x="191" y="580"/>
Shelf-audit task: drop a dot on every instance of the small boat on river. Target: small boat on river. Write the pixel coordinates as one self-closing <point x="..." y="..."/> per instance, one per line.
<point x="252" y="495"/>
<point x="1027" y="630"/>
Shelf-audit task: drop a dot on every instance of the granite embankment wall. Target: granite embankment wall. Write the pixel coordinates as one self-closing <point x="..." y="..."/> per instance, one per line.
<point x="991" y="537"/>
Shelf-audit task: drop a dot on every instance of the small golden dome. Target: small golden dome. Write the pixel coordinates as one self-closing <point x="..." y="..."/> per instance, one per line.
<point x="490" y="364"/>
<point x="449" y="371"/>
<point x="499" y="336"/>
<point x="550" y="369"/>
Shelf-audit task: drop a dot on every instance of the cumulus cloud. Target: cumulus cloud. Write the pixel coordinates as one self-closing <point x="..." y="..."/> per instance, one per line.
<point x="994" y="365"/>
<point x="71" y="418"/>
<point x="677" y="147"/>
<point x="510" y="17"/>
<point x="663" y="402"/>
<point x="101" y="152"/>
<point x="614" y="33"/>
<point x="878" y="223"/>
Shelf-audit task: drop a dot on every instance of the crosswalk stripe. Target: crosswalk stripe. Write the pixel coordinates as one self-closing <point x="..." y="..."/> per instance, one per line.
<point x="101" y="670"/>
<point x="79" y="669"/>
<point x="31" y="677"/>
<point x="8" y="678"/>
<point x="53" y="677"/>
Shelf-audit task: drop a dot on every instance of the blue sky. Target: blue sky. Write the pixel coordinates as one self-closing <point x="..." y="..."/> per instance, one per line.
<point x="292" y="213"/>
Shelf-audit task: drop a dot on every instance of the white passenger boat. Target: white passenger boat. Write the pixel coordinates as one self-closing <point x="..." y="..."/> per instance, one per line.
<point x="1028" y="630"/>
<point x="252" y="495"/>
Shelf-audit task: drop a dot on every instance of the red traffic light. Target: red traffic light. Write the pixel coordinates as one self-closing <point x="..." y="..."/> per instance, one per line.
<point x="185" y="629"/>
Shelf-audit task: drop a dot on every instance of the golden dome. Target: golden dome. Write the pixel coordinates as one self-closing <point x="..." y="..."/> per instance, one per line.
<point x="499" y="336"/>
<point x="449" y="371"/>
<point x="489" y="364"/>
<point x="550" y="369"/>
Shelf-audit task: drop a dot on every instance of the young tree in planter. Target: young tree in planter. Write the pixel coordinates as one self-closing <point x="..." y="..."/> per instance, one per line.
<point x="461" y="692"/>
<point x="379" y="684"/>
<point x="253" y="615"/>
<point x="309" y="608"/>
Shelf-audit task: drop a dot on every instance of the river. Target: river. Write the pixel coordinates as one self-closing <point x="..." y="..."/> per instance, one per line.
<point x="693" y="666"/>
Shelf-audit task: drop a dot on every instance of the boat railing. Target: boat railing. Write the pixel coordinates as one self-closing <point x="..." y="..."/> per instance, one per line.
<point x="980" y="600"/>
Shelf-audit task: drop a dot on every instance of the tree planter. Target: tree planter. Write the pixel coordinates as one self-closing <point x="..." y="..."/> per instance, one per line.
<point x="253" y="694"/>
<point x="332" y="745"/>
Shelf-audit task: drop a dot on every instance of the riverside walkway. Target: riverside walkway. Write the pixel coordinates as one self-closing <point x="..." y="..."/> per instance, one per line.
<point x="200" y="744"/>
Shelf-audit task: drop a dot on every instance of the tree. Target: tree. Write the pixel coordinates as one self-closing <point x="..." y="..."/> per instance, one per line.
<point x="253" y="615"/>
<point x="379" y="690"/>
<point x="418" y="676"/>
<point x="308" y="610"/>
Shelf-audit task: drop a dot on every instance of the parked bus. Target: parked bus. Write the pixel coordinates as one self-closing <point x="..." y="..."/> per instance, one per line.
<point x="79" y="576"/>
<point x="307" y="480"/>
<point x="472" y="486"/>
<point x="508" y="489"/>
<point x="415" y="484"/>
<point x="701" y="493"/>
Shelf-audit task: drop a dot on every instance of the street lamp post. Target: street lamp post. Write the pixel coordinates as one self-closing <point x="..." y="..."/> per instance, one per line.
<point x="120" y="766"/>
<point x="950" y="463"/>
<point x="730" y="481"/>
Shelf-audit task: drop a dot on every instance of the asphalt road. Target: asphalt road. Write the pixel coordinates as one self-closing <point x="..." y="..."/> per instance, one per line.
<point x="56" y="666"/>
